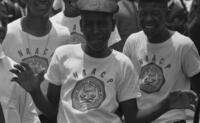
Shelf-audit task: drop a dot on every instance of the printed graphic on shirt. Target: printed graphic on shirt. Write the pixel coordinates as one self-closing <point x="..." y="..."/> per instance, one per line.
<point x="151" y="78"/>
<point x="37" y="63"/>
<point x="76" y="37"/>
<point x="89" y="93"/>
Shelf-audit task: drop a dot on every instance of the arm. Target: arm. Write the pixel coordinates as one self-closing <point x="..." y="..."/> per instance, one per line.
<point x="175" y="100"/>
<point x="31" y="83"/>
<point x="195" y="85"/>
<point x="48" y="105"/>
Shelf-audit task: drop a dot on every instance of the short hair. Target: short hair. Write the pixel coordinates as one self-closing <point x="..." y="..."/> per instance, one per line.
<point x="162" y="2"/>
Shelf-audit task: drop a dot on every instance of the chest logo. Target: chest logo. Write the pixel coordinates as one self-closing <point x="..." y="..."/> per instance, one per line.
<point x="36" y="63"/>
<point x="151" y="78"/>
<point x="88" y="94"/>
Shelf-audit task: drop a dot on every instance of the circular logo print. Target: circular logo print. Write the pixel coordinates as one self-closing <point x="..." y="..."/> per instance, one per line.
<point x="36" y="63"/>
<point x="88" y="94"/>
<point x="151" y="78"/>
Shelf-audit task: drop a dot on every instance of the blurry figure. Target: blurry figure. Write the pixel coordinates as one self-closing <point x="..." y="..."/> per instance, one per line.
<point x="194" y="23"/>
<point x="177" y="16"/>
<point x="13" y="11"/>
<point x="33" y="39"/>
<point x="10" y="93"/>
<point x="127" y="21"/>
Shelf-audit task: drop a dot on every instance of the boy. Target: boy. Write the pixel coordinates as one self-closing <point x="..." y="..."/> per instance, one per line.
<point x="88" y="82"/>
<point x="70" y="17"/>
<point x="33" y="39"/>
<point x="165" y="60"/>
<point x="9" y="92"/>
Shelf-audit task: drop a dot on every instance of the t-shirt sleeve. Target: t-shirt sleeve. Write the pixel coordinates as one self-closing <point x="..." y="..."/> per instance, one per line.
<point x="53" y="74"/>
<point x="128" y="87"/>
<point x="191" y="61"/>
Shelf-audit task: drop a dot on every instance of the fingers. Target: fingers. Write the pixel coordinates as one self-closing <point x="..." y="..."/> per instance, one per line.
<point x="25" y="65"/>
<point x="19" y="67"/>
<point x="15" y="71"/>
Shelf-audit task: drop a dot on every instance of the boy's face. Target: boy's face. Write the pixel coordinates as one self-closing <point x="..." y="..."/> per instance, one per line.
<point x="152" y="18"/>
<point x="3" y="22"/>
<point x="97" y="27"/>
<point x="39" y="7"/>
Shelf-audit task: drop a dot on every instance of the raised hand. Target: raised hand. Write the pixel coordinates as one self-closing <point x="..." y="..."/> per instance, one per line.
<point x="182" y="100"/>
<point x="26" y="78"/>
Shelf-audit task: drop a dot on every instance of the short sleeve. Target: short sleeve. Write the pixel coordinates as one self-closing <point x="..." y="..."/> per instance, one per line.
<point x="126" y="48"/>
<point x="129" y="86"/>
<point x="53" y="74"/>
<point x="191" y="61"/>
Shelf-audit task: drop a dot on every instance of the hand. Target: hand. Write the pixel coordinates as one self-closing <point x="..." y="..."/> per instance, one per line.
<point x="2" y="119"/>
<point x="182" y="100"/>
<point x="26" y="78"/>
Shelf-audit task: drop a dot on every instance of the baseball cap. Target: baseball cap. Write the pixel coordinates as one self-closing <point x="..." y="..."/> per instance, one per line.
<point x="108" y="6"/>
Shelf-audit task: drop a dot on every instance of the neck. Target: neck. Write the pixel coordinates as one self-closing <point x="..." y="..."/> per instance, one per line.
<point x="38" y="26"/>
<point x="96" y="54"/>
<point x="163" y="36"/>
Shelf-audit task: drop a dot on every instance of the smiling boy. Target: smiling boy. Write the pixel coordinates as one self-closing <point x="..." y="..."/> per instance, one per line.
<point x="165" y="60"/>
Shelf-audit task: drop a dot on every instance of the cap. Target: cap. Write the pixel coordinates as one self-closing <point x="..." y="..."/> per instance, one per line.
<point x="109" y="6"/>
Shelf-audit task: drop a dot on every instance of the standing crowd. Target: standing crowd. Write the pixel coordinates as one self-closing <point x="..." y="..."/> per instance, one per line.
<point x="99" y="61"/>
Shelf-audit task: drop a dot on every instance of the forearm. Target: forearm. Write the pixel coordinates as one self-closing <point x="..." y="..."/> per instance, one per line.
<point x="43" y="104"/>
<point x="152" y="113"/>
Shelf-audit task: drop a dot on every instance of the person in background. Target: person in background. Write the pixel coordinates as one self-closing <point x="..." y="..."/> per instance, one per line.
<point x="9" y="92"/>
<point x="126" y="21"/>
<point x="177" y="16"/>
<point x="58" y="6"/>
<point x="88" y="82"/>
<point x="194" y="23"/>
<point x="32" y="39"/>
<point x="165" y="60"/>
<point x="13" y="11"/>
<point x="70" y="17"/>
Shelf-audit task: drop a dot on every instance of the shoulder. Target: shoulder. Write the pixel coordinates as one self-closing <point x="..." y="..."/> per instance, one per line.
<point x="66" y="50"/>
<point x="61" y="30"/>
<point x="135" y="38"/>
<point x="122" y="59"/>
<point x="56" y="18"/>
<point x="14" y="26"/>
<point x="60" y="33"/>
<point x="180" y="40"/>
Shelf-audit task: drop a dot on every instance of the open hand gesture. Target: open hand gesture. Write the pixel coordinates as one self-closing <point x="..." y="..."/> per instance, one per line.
<point x="182" y="99"/>
<point x="26" y="78"/>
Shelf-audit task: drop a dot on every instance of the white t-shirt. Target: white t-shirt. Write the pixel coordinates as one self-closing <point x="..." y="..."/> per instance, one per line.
<point x="10" y="95"/>
<point x="162" y="68"/>
<point x="73" y="23"/>
<point x="6" y="91"/>
<point x="91" y="87"/>
<point x="35" y="51"/>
